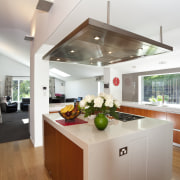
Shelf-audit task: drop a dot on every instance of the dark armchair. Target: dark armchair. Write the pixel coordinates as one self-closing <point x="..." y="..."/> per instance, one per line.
<point x="24" y="104"/>
<point x="8" y="106"/>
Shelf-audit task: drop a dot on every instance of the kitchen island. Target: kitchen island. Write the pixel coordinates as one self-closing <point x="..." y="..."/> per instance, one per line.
<point x="137" y="150"/>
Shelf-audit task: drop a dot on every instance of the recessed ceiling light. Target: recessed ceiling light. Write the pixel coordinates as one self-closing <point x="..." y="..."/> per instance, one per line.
<point x="58" y="59"/>
<point x="99" y="63"/>
<point x="109" y="52"/>
<point x="91" y="58"/>
<point x="131" y="56"/>
<point x="96" y="37"/>
<point x="58" y="72"/>
<point x="72" y="51"/>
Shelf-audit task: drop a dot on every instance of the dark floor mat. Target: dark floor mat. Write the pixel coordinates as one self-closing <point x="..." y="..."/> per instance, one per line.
<point x="13" y="128"/>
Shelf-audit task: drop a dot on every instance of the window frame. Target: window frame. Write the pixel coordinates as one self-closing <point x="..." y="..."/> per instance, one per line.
<point x="141" y="86"/>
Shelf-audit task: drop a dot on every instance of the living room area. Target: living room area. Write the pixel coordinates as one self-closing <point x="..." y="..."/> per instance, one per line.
<point x="14" y="100"/>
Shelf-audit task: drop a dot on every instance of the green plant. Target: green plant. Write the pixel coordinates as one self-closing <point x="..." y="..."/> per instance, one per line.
<point x="153" y="99"/>
<point x="159" y="98"/>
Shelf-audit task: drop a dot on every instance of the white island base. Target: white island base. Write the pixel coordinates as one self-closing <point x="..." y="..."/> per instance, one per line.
<point x="146" y="144"/>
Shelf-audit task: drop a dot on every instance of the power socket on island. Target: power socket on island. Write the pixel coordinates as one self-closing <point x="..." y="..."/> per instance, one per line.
<point x="123" y="151"/>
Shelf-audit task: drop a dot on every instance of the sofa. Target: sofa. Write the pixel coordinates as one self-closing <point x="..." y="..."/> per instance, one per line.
<point x="24" y="104"/>
<point x="57" y="99"/>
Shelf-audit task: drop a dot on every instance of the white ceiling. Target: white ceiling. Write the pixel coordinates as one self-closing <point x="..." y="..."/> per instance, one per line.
<point x="15" y="19"/>
<point x="140" y="16"/>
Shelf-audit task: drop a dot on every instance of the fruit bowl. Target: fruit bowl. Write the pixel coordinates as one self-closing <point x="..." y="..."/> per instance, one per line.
<point x="70" y="115"/>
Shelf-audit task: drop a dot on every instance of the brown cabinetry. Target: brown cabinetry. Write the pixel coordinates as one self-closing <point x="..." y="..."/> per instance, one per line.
<point x="63" y="158"/>
<point x="144" y="112"/>
<point x="175" y="118"/>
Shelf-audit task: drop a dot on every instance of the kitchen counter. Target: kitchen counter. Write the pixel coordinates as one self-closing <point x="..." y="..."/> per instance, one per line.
<point x="149" y="143"/>
<point x="163" y="108"/>
<point x="54" y="107"/>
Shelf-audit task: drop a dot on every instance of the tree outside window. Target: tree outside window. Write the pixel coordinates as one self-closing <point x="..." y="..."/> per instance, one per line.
<point x="167" y="86"/>
<point x="21" y="89"/>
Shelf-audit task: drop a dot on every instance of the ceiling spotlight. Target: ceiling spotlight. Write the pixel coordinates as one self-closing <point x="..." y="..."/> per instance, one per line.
<point x="99" y="63"/>
<point x="72" y="51"/>
<point x="109" y="52"/>
<point x="58" y="59"/>
<point x="44" y="5"/>
<point x="29" y="38"/>
<point x="96" y="38"/>
<point x="91" y="58"/>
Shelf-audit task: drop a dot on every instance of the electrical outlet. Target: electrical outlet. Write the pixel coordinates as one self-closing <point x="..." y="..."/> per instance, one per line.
<point x="123" y="151"/>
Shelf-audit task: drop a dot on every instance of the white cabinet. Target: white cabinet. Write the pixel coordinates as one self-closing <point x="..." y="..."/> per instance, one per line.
<point x="148" y="157"/>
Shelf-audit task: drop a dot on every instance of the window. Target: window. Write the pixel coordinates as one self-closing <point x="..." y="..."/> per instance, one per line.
<point x="21" y="88"/>
<point x="166" y="86"/>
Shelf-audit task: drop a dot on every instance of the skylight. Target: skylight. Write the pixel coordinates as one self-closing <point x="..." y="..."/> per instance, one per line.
<point x="58" y="72"/>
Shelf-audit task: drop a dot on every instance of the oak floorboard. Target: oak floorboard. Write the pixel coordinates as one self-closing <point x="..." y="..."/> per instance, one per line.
<point x="20" y="160"/>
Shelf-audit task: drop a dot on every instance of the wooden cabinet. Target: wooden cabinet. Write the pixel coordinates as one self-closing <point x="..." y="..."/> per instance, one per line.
<point x="176" y="136"/>
<point x="175" y="118"/>
<point x="63" y="158"/>
<point x="50" y="149"/>
<point x="144" y="112"/>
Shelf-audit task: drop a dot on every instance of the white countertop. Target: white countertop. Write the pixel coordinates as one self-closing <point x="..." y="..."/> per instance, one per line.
<point x="164" y="108"/>
<point x="87" y="134"/>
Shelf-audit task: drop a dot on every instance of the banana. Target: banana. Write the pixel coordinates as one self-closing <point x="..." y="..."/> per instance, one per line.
<point x="67" y="108"/>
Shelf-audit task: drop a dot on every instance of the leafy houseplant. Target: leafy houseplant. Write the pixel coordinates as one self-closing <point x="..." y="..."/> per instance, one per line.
<point x="104" y="103"/>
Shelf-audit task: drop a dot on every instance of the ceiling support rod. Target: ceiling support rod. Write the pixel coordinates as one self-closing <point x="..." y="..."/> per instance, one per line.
<point x="108" y="12"/>
<point x="161" y="36"/>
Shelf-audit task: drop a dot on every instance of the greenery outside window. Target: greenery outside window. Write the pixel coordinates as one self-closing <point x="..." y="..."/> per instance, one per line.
<point x="164" y="88"/>
<point x="21" y="88"/>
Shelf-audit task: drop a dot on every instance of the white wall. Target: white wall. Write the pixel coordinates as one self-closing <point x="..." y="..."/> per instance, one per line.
<point x="81" y="88"/>
<point x="109" y="75"/>
<point x="43" y="25"/>
<point x="12" y="68"/>
<point x="59" y="86"/>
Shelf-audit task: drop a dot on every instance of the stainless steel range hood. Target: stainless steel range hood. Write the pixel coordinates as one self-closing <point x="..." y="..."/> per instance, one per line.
<point x="97" y="43"/>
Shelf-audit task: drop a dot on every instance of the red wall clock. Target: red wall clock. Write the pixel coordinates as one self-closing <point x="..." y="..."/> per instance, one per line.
<point x="116" y="81"/>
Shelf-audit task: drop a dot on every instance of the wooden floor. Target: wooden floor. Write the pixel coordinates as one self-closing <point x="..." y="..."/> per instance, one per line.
<point x="176" y="163"/>
<point x="19" y="160"/>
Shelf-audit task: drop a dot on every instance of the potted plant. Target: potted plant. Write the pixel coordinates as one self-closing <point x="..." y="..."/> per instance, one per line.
<point x="100" y="106"/>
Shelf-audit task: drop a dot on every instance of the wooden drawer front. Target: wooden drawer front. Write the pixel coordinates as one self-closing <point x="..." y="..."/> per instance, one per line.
<point x="131" y="110"/>
<point x="176" y="136"/>
<point x="175" y="118"/>
<point x="144" y="112"/>
<point x="156" y="114"/>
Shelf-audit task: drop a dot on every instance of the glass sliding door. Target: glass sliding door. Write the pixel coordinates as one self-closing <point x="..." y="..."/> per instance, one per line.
<point x="21" y="89"/>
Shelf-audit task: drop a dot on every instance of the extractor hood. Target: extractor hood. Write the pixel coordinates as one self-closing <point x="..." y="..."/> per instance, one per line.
<point x="97" y="43"/>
